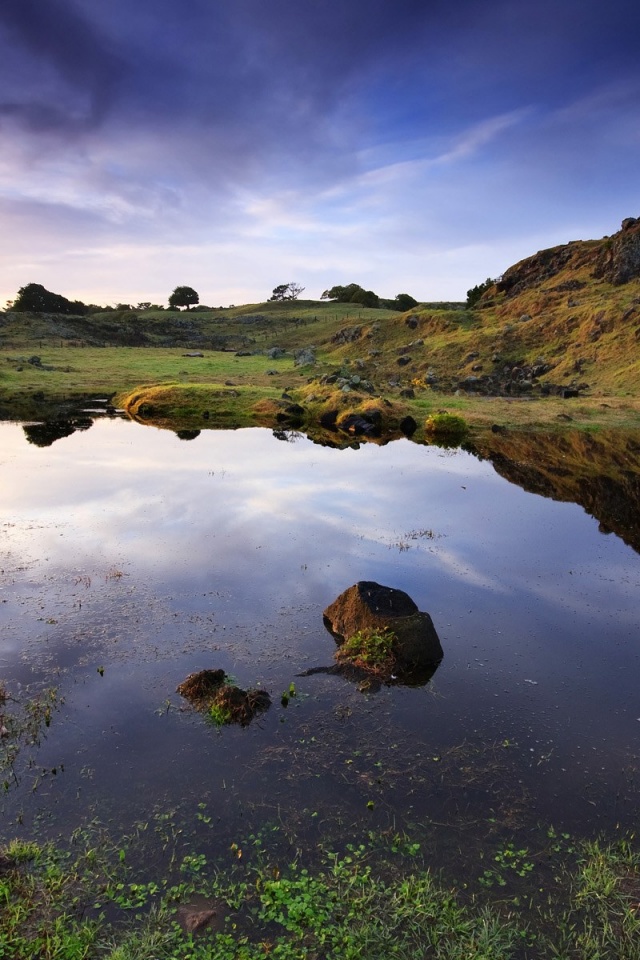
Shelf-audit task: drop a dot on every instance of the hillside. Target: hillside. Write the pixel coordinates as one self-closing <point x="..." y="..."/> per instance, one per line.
<point x="566" y="319"/>
<point x="564" y="322"/>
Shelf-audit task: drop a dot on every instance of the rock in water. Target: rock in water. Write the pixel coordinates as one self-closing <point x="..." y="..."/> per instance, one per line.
<point x="368" y="606"/>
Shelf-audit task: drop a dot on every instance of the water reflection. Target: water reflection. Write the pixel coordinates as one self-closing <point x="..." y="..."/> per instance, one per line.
<point x="46" y="433"/>
<point x="599" y="471"/>
<point x="131" y="559"/>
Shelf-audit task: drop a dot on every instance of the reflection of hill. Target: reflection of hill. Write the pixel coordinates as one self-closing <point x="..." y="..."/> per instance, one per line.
<point x="44" y="434"/>
<point x="600" y="472"/>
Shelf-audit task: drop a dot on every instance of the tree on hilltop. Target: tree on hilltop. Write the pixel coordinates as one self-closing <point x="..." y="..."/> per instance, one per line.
<point x="352" y="293"/>
<point x="404" y="301"/>
<point x="34" y="298"/>
<point x="183" y="297"/>
<point x="286" y="291"/>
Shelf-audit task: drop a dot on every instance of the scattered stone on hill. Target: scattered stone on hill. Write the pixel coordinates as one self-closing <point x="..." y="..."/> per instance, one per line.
<point x="275" y="353"/>
<point x="411" y="322"/>
<point x="367" y="424"/>
<point x="568" y="285"/>
<point x="403" y="361"/>
<point x="347" y="335"/>
<point x="370" y="607"/>
<point x="195" y="353"/>
<point x="304" y="357"/>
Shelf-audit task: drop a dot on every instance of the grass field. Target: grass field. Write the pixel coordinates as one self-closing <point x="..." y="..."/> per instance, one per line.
<point x="428" y="351"/>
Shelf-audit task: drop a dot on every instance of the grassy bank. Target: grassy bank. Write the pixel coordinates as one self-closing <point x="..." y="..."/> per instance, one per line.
<point x="228" y="387"/>
<point x="375" y="899"/>
<point x="509" y="361"/>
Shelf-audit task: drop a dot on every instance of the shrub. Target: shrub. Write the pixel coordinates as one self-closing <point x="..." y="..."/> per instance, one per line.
<point x="445" y="424"/>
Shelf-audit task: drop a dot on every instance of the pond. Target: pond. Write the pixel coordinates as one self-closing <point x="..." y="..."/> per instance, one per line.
<point x="131" y="557"/>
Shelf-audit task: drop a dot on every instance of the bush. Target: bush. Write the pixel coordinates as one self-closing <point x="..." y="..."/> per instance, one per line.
<point x="445" y="424"/>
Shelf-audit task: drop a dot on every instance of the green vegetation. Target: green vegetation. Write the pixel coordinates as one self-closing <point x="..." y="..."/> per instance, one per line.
<point x="372" y="650"/>
<point x="183" y="297"/>
<point x="477" y="292"/>
<point x="23" y="721"/>
<point x="286" y="291"/>
<point x="103" y="900"/>
<point x="34" y="297"/>
<point x="352" y="293"/>
<point x="554" y="324"/>
<point x="446" y="425"/>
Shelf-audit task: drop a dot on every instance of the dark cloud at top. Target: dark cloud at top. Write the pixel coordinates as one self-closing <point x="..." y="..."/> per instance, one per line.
<point x="274" y="66"/>
<point x="234" y="82"/>
<point x="53" y="34"/>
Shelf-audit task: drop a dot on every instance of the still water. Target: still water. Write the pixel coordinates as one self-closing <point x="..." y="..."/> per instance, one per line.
<point x="130" y="558"/>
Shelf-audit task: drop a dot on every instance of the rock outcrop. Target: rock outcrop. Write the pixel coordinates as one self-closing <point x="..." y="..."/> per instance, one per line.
<point x="614" y="259"/>
<point x="368" y="606"/>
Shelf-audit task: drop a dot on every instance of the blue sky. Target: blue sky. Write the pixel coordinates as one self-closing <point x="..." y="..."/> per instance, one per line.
<point x="411" y="146"/>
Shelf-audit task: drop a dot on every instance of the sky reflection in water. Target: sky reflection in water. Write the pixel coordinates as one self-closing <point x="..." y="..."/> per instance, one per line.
<point x="155" y="557"/>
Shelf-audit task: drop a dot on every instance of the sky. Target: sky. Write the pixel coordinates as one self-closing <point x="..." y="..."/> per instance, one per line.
<point x="410" y="146"/>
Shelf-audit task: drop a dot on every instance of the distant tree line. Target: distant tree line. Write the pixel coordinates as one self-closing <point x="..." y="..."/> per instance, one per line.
<point x="354" y="293"/>
<point x="34" y="298"/>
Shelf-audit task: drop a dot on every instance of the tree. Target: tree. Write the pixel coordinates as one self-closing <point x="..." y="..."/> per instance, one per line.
<point x="366" y="298"/>
<point x="404" y="302"/>
<point x="476" y="292"/>
<point x="35" y="298"/>
<point x="352" y="293"/>
<point x="183" y="297"/>
<point x="286" y="291"/>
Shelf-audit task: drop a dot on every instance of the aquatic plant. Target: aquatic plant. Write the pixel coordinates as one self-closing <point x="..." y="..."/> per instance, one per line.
<point x="371" y="650"/>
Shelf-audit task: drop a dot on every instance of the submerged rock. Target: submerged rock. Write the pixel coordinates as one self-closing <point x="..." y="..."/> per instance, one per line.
<point x="210" y="692"/>
<point x="199" y="686"/>
<point x="369" y="607"/>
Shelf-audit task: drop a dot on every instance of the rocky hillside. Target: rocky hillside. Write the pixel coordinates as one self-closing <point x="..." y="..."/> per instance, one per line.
<point x="576" y="306"/>
<point x="565" y="321"/>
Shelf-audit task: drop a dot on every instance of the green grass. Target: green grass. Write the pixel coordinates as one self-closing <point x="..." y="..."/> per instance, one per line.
<point x="372" y="650"/>
<point x="375" y="899"/>
<point x="426" y="341"/>
<point x="23" y="721"/>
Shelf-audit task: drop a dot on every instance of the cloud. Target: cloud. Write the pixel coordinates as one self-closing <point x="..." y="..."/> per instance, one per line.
<point x="317" y="135"/>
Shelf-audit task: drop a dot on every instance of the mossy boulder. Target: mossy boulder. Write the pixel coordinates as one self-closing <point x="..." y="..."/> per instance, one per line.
<point x="210" y="691"/>
<point x="370" y="609"/>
